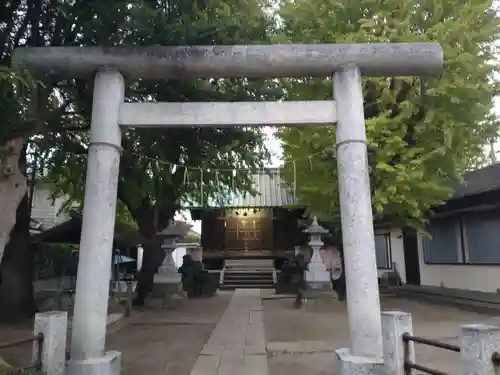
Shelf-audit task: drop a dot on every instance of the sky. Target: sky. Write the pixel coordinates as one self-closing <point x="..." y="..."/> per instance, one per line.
<point x="274" y="146"/>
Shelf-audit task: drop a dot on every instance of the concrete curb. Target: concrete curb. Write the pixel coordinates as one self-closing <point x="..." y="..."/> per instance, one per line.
<point x="299" y="347"/>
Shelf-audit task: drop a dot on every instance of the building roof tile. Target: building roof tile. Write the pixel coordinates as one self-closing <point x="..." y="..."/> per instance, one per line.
<point x="270" y="190"/>
<point x="479" y="181"/>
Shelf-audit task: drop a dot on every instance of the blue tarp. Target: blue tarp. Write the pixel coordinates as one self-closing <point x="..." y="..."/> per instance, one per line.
<point x="120" y="259"/>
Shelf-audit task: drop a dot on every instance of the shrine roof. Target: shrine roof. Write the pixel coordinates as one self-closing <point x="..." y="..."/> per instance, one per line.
<point x="269" y="190"/>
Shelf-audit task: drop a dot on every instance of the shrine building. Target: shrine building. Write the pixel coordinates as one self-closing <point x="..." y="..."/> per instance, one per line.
<point x="264" y="225"/>
<point x="258" y="231"/>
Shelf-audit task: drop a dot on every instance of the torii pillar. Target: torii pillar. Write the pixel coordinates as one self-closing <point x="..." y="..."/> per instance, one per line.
<point x="346" y="62"/>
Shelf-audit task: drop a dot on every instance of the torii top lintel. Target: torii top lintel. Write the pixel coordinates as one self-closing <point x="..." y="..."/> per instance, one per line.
<point x="277" y="60"/>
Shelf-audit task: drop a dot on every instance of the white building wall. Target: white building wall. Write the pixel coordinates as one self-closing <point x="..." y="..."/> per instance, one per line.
<point x="45" y="209"/>
<point x="397" y="254"/>
<point x="482" y="278"/>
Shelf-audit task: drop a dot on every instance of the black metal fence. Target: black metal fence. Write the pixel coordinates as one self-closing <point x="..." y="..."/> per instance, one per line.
<point x="37" y="365"/>
<point x="408" y="365"/>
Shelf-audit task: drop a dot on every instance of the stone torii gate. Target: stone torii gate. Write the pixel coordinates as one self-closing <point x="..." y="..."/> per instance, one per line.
<point x="345" y="62"/>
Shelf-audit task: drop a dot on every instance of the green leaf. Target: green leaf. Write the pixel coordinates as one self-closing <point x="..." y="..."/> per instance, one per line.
<point x="418" y="145"/>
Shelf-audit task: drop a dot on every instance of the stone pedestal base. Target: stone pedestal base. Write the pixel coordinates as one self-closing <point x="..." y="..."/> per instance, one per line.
<point x="317" y="273"/>
<point x="168" y="288"/>
<point x="348" y="364"/>
<point x="167" y="278"/>
<point x="109" y="364"/>
<point x="321" y="287"/>
<point x="319" y="283"/>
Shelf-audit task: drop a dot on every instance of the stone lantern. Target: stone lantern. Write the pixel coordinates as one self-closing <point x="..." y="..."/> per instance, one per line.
<point x="167" y="281"/>
<point x="317" y="276"/>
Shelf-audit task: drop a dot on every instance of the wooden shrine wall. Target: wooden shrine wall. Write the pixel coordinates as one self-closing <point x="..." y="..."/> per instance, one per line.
<point x="287" y="234"/>
<point x="251" y="230"/>
<point x="212" y="231"/>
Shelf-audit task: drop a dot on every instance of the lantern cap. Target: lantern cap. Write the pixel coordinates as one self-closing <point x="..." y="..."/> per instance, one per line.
<point x="175" y="229"/>
<point x="315" y="228"/>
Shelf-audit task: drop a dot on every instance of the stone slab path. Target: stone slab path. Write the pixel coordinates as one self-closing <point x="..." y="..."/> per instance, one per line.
<point x="304" y="341"/>
<point x="168" y="341"/>
<point x="237" y="345"/>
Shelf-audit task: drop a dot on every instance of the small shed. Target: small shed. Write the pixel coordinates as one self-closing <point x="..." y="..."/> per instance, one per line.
<point x="69" y="232"/>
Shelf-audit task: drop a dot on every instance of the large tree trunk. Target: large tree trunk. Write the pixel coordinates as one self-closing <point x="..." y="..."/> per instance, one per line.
<point x="16" y="287"/>
<point x="151" y="262"/>
<point x="13" y="187"/>
<point x="153" y="254"/>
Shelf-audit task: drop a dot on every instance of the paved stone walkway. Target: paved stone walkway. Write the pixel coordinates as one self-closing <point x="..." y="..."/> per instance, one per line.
<point x="237" y="345"/>
<point x="163" y="341"/>
<point x="304" y="341"/>
<point x="252" y="332"/>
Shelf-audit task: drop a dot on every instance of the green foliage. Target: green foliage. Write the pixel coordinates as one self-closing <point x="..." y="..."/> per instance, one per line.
<point x="150" y="190"/>
<point x="55" y="116"/>
<point x="418" y="145"/>
<point x="191" y="239"/>
<point x="15" y="87"/>
<point x="55" y="260"/>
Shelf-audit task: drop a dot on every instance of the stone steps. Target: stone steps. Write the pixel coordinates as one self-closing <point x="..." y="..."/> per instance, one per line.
<point x="248" y="273"/>
<point x="248" y="279"/>
<point x="256" y="286"/>
<point x="249" y="263"/>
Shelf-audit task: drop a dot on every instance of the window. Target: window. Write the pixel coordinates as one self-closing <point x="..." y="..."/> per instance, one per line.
<point x="482" y="237"/>
<point x="382" y="250"/>
<point x="444" y="246"/>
